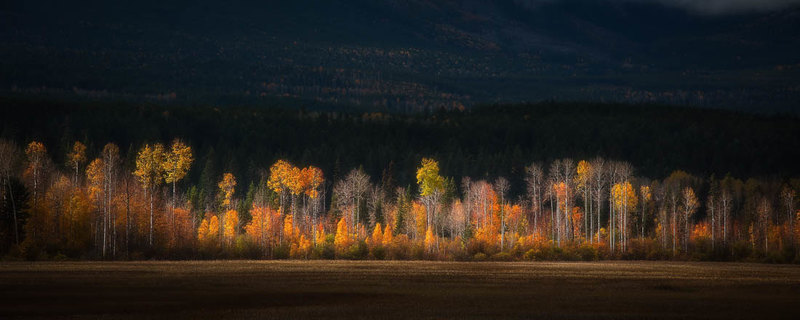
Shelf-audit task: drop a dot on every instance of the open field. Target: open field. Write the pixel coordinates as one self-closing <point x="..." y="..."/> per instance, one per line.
<point x="394" y="289"/>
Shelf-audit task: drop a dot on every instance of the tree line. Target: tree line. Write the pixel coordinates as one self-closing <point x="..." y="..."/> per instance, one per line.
<point x="103" y="207"/>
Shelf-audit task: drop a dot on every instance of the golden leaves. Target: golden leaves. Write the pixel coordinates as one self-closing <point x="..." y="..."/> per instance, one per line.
<point x="227" y="187"/>
<point x="342" y="241"/>
<point x="428" y="177"/>
<point x="177" y="161"/>
<point x="285" y="176"/>
<point x="95" y="176"/>
<point x="584" y="171"/>
<point x="149" y="167"/>
<point x="231" y="225"/>
<point x="624" y="195"/>
<point x="35" y="152"/>
<point x="77" y="155"/>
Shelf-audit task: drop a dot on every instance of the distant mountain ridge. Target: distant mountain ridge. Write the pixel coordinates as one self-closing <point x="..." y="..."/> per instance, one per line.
<point x="397" y="55"/>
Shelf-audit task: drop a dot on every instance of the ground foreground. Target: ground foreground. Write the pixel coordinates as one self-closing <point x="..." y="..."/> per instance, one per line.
<point x="393" y="289"/>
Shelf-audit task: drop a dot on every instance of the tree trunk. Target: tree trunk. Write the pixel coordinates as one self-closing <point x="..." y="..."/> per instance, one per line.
<point x="150" y="239"/>
<point x="13" y="209"/>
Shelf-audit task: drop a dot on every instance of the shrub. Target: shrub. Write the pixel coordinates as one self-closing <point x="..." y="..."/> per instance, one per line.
<point x="417" y="251"/>
<point x="587" y="253"/>
<point x="281" y="251"/>
<point x="325" y="251"/>
<point x="400" y="248"/>
<point x="243" y="248"/>
<point x="357" y="251"/>
<point x="502" y="256"/>
<point x="378" y="252"/>
<point x="480" y="256"/>
<point x="530" y="255"/>
<point x="455" y="250"/>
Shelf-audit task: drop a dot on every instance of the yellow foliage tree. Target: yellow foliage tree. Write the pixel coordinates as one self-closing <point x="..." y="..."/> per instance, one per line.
<point x="261" y="227"/>
<point x="289" y="231"/>
<point x="313" y="178"/>
<point x="625" y="200"/>
<point x="624" y="196"/>
<point x="428" y="177"/>
<point x="279" y="176"/>
<point x="342" y="241"/>
<point x="231" y="226"/>
<point x="76" y="157"/>
<point x="376" y="239"/>
<point x="150" y="173"/>
<point x="208" y="230"/>
<point x="577" y="220"/>
<point x="183" y="227"/>
<point x="176" y="165"/>
<point x="387" y="236"/>
<point x="430" y="241"/>
<point x="319" y="235"/>
<point x="95" y="178"/>
<point x="301" y="248"/>
<point x="419" y="214"/>
<point x="36" y="153"/>
<point x="226" y="187"/>
<point x="431" y="186"/>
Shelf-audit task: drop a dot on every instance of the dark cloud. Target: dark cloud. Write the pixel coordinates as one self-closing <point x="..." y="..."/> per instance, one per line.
<point x="712" y="7"/>
<point x="728" y="6"/>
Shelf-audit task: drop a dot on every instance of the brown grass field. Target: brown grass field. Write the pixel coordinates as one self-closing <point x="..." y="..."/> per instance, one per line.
<point x="398" y="289"/>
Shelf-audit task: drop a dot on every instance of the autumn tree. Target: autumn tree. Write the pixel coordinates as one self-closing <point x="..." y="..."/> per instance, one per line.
<point x="208" y="232"/>
<point x="583" y="179"/>
<point x="349" y="193"/>
<point x="730" y="192"/>
<point x="764" y="221"/>
<point x="624" y="196"/>
<point x="598" y="183"/>
<point x="712" y="204"/>
<point x="646" y="195"/>
<point x="675" y="186"/>
<point x="342" y="240"/>
<point x="177" y="162"/>
<point x="230" y="227"/>
<point x="313" y="188"/>
<point x="534" y="181"/>
<point x="227" y="186"/>
<point x="501" y="186"/>
<point x="95" y="177"/>
<point x="376" y="238"/>
<point x="76" y="158"/>
<point x="111" y="163"/>
<point x="690" y="205"/>
<point x="8" y="158"/>
<point x="149" y="171"/>
<point x="431" y="186"/>
<point x="261" y="227"/>
<point x="37" y="154"/>
<point x="280" y="176"/>
<point x="788" y="196"/>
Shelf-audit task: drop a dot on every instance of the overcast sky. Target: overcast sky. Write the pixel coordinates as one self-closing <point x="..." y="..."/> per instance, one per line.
<point x="727" y="6"/>
<point x="707" y="6"/>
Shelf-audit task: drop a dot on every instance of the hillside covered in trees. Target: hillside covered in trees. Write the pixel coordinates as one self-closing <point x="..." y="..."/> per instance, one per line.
<point x="411" y="55"/>
<point x="546" y="181"/>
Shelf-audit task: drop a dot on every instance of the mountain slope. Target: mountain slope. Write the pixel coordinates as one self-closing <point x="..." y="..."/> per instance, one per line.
<point x="400" y="55"/>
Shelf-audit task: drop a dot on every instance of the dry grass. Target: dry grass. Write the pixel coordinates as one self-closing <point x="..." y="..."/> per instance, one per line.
<point x="395" y="289"/>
